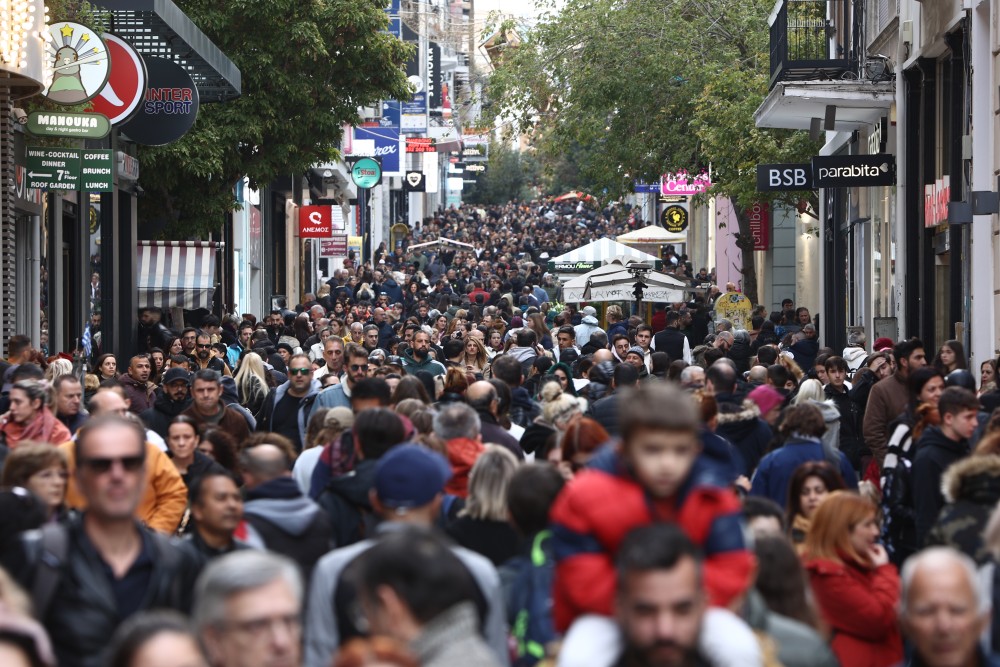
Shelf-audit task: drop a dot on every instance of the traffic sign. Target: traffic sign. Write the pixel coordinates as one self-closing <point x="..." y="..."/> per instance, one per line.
<point x="55" y="168"/>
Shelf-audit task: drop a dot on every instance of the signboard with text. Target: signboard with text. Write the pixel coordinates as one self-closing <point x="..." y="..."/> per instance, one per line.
<point x="784" y="177"/>
<point x="335" y="246"/>
<point x="315" y="222"/>
<point x="853" y="171"/>
<point x="71" y="169"/>
<point x="760" y="225"/>
<point x="685" y="184"/>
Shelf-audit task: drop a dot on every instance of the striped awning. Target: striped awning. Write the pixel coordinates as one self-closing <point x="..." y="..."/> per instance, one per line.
<point x="176" y="274"/>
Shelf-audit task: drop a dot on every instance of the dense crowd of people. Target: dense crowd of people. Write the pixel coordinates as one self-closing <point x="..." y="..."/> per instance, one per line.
<point x="432" y="461"/>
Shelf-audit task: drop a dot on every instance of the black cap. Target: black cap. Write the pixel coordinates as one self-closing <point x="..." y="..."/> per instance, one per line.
<point x="176" y="374"/>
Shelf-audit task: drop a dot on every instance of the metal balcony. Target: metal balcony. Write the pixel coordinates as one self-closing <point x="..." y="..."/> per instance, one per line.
<point x="812" y="40"/>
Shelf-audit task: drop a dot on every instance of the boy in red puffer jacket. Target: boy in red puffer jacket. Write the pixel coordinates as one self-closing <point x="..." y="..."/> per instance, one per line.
<point x="655" y="474"/>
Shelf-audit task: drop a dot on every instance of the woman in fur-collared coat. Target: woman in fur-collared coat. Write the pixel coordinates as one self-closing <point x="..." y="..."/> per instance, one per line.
<point x="971" y="488"/>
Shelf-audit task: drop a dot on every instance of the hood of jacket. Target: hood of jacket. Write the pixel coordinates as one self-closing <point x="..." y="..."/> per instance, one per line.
<point x="736" y="421"/>
<point x="854" y="356"/>
<point x="589" y="319"/>
<point x="279" y="392"/>
<point x="416" y="363"/>
<point x="281" y="503"/>
<point x="522" y="354"/>
<point x="976" y="478"/>
<point x="130" y="381"/>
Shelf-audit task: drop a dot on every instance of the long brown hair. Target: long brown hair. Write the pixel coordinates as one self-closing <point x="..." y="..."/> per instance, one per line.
<point x="829" y="535"/>
<point x="822" y="470"/>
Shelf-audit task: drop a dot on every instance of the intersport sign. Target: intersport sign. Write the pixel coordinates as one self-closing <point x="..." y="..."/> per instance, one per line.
<point x="854" y="171"/>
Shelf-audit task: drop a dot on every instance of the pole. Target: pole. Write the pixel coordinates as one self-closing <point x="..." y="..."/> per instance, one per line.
<point x="363" y="224"/>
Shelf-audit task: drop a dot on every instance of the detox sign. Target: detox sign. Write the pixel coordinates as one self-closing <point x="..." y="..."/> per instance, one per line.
<point x="367" y="173"/>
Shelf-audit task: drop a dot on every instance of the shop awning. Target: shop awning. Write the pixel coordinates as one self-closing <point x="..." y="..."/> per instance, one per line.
<point x="176" y="274"/>
<point x="595" y="254"/>
<point x="794" y="105"/>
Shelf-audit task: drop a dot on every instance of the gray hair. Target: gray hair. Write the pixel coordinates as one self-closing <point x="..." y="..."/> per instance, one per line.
<point x="457" y="421"/>
<point x="938" y="556"/>
<point x="724" y="325"/>
<point x="235" y="573"/>
<point x="689" y="373"/>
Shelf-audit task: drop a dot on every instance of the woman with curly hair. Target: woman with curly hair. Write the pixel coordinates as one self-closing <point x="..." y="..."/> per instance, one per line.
<point x="475" y="358"/>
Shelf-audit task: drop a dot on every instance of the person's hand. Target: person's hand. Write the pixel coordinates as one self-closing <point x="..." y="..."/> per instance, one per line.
<point x="878" y="555"/>
<point x="743" y="482"/>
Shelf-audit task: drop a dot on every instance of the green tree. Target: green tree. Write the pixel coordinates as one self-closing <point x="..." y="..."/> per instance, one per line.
<point x="648" y="87"/>
<point x="306" y="68"/>
<point x="509" y="175"/>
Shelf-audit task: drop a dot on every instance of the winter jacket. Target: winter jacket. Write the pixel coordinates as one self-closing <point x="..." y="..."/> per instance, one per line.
<point x="451" y="638"/>
<point x="605" y="413"/>
<point x="522" y="410"/>
<point x="158" y="417"/>
<point x="348" y="505"/>
<point x="527" y="585"/>
<point x="493" y="433"/>
<point x="854" y="356"/>
<point x="972" y="489"/>
<point x="391" y="289"/>
<point x="285" y="521"/>
<point x="586" y="328"/>
<point x="462" y="454"/>
<point x="496" y="540"/>
<point x="82" y="613"/>
<point x="935" y="453"/>
<point x="164" y="497"/>
<point x="674" y="343"/>
<point x="201" y="465"/>
<point x="851" y="442"/>
<point x="595" y="512"/>
<point x="140" y="394"/>
<point x="231" y="420"/>
<point x="265" y="418"/>
<point x="536" y="435"/>
<point x="859" y="606"/>
<point x="899" y="529"/>
<point x="886" y="401"/>
<point x="412" y="366"/>
<point x="525" y="355"/>
<point x="739" y="422"/>
<point x="775" y="470"/>
<point x="798" y="644"/>
<point x="804" y="353"/>
<point x="740" y="354"/>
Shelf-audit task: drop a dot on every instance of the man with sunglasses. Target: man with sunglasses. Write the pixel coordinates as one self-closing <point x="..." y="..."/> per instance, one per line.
<point x="286" y="409"/>
<point x="103" y="566"/>
<point x="339" y="395"/>
<point x="205" y="359"/>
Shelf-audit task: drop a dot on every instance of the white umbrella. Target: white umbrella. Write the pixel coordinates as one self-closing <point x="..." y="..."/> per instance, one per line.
<point x="613" y="282"/>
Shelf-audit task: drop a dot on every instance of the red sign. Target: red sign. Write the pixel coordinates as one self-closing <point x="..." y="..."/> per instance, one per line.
<point x="760" y="226"/>
<point x="420" y="145"/>
<point x="335" y="246"/>
<point x="315" y="222"/>
<point x="126" y="85"/>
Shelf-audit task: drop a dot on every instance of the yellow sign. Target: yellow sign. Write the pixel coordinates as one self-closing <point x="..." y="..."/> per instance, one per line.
<point x="736" y="308"/>
<point x="674" y="219"/>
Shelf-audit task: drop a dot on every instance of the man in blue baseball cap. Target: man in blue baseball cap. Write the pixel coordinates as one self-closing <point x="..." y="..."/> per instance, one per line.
<point x="407" y="492"/>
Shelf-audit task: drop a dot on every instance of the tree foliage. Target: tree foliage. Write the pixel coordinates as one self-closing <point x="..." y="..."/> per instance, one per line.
<point x="637" y="88"/>
<point x="306" y="65"/>
<point x="509" y="175"/>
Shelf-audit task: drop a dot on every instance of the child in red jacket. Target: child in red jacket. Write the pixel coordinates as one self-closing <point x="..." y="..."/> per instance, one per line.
<point x="655" y="474"/>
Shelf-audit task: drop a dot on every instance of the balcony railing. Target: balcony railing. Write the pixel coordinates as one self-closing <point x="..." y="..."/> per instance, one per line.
<point x="812" y="40"/>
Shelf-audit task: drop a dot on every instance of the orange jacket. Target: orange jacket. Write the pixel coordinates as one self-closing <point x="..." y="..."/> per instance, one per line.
<point x="163" y="500"/>
<point x="462" y="455"/>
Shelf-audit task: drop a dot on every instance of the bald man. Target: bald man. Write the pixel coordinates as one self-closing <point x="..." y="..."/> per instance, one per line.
<point x="942" y="610"/>
<point x="281" y="518"/>
<point x="482" y="397"/>
<point x="165" y="496"/>
<point x="603" y="355"/>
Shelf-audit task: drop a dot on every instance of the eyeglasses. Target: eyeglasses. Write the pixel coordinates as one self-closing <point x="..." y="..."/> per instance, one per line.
<point x="359" y="367"/>
<point x="299" y="371"/>
<point x="102" y="465"/>
<point x="204" y="347"/>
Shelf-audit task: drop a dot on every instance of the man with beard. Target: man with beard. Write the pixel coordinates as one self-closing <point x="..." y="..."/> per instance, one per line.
<point x="189" y="339"/>
<point x="418" y="358"/>
<point x="171" y="400"/>
<point x="339" y="395"/>
<point x="208" y="409"/>
<point x="216" y="510"/>
<point x="275" y="326"/>
<point x="135" y="381"/>
<point x="205" y="359"/>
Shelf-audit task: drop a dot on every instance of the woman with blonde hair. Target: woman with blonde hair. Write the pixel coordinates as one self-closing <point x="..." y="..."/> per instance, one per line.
<point x="810" y="390"/>
<point x="482" y="525"/>
<point x="475" y="358"/>
<point x="58" y="367"/>
<point x="251" y="382"/>
<point x="856" y="587"/>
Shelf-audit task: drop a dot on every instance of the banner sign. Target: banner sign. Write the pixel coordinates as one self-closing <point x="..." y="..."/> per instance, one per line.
<point x="420" y="145"/>
<point x="122" y="94"/>
<point x="784" y="177"/>
<point x="645" y="188"/>
<point x="390" y="114"/>
<point x="685" y="184"/>
<point x="315" y="222"/>
<point x="433" y="75"/>
<point x="170" y="107"/>
<point x="386" y="146"/>
<point x="936" y="198"/>
<point x="760" y="226"/>
<point x="853" y="171"/>
<point x="335" y="246"/>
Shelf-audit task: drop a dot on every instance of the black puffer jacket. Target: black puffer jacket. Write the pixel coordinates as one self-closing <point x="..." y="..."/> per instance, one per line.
<point x="158" y="417"/>
<point x="971" y="488"/>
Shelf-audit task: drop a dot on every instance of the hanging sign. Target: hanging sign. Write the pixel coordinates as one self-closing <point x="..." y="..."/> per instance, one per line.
<point x="760" y="225"/>
<point x="784" y="177"/>
<point x="414" y="181"/>
<point x="121" y="96"/>
<point x="315" y="222"/>
<point x="335" y="246"/>
<point x="685" y="184"/>
<point x="366" y="173"/>
<point x="170" y="107"/>
<point x="674" y="218"/>
<point x="80" y="63"/>
<point x="67" y="124"/>
<point x="853" y="171"/>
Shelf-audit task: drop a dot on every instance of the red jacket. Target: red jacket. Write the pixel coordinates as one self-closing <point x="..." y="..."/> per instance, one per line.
<point x="597" y="510"/>
<point x="859" y="605"/>
<point x="462" y="455"/>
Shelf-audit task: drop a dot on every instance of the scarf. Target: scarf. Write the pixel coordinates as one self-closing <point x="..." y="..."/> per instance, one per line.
<point x="45" y="427"/>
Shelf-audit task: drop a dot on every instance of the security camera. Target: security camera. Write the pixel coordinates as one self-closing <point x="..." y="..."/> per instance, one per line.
<point x="20" y="115"/>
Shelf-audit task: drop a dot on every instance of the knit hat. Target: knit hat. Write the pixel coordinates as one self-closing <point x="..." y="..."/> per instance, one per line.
<point x="883" y="344"/>
<point x="766" y="398"/>
<point x="635" y="349"/>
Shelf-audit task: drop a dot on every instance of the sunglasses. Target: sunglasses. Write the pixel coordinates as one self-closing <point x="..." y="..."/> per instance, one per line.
<point x="299" y="371"/>
<point x="359" y="367"/>
<point x="102" y="465"/>
<point x="204" y="347"/>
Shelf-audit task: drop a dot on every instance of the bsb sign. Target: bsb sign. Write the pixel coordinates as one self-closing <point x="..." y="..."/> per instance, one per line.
<point x="783" y="177"/>
<point x="836" y="171"/>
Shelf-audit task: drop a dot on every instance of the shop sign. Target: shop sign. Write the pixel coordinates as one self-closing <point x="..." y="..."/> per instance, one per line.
<point x="335" y="246"/>
<point x="366" y="173"/>
<point x="474" y="170"/>
<point x="573" y="267"/>
<point x="121" y="96"/>
<point x="413" y="113"/>
<point x="685" y="184"/>
<point x="784" y="177"/>
<point x="67" y="124"/>
<point x="674" y="219"/>
<point x="390" y="114"/>
<point x="97" y="170"/>
<point x="646" y="188"/>
<point x="475" y="153"/>
<point x="414" y="181"/>
<point x="853" y="171"/>
<point x="386" y="143"/>
<point x="80" y="63"/>
<point x="54" y="168"/>
<point x="936" y="198"/>
<point x="315" y="222"/>
<point x="128" y="167"/>
<point x="170" y="107"/>
<point x="760" y="225"/>
<point x="420" y="145"/>
<point x="433" y="75"/>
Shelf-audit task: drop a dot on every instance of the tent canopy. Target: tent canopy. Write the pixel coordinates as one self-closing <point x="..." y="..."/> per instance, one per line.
<point x="442" y="241"/>
<point x="654" y="234"/>
<point x="595" y="254"/>
<point x="176" y="274"/>
<point x="613" y="282"/>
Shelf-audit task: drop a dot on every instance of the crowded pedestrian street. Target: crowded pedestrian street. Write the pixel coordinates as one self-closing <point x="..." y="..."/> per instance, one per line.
<point x="499" y="333"/>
